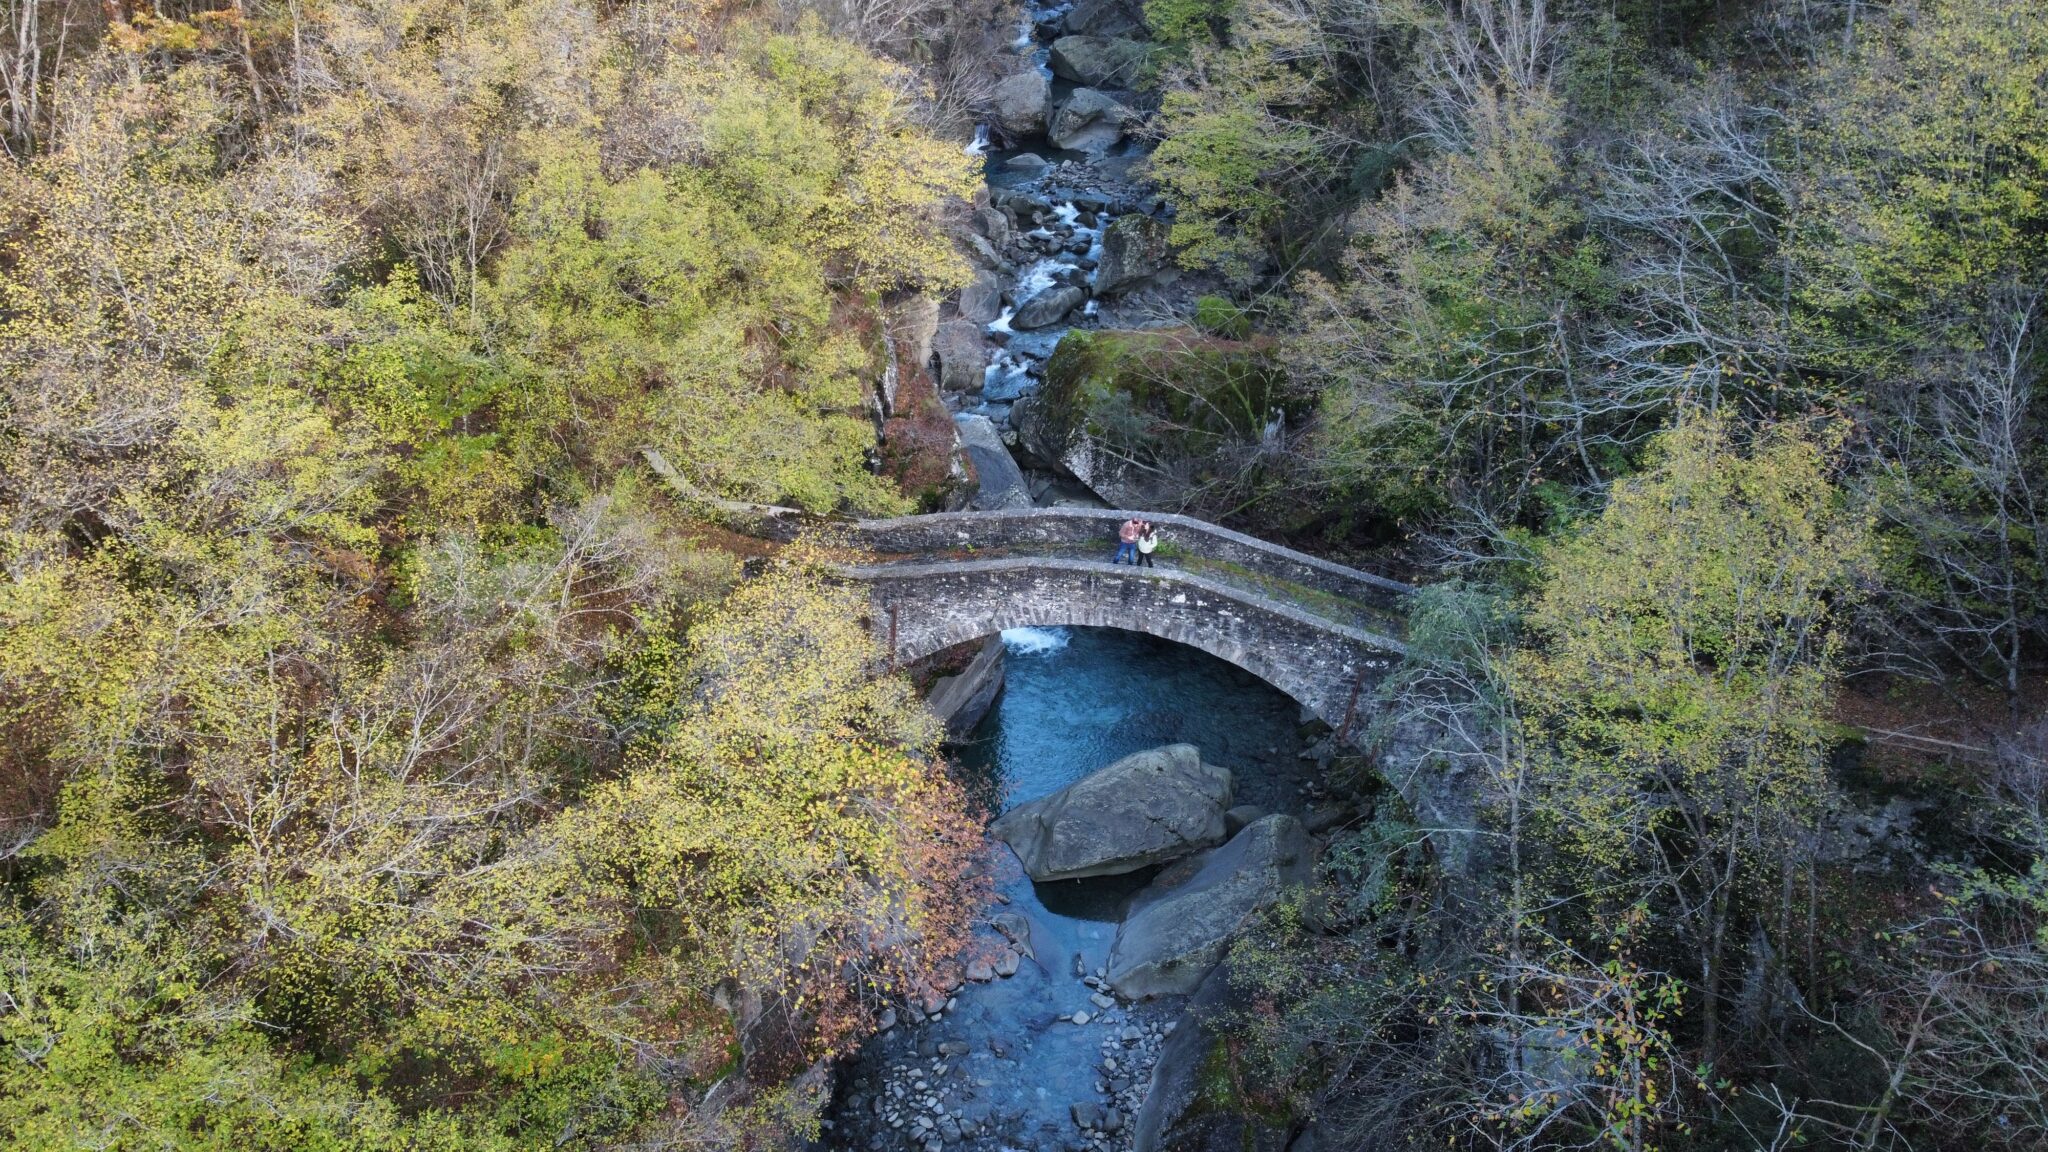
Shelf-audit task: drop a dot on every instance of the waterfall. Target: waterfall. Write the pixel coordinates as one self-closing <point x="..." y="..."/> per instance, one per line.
<point x="979" y="147"/>
<point x="1034" y="641"/>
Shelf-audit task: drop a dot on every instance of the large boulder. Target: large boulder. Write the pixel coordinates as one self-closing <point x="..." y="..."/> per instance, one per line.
<point x="1179" y="926"/>
<point x="1020" y="103"/>
<point x="1145" y="809"/>
<point x="1178" y="378"/>
<point x="981" y="301"/>
<point x="1133" y="251"/>
<point x="962" y="699"/>
<point x="1188" y="1106"/>
<point x="993" y="225"/>
<point x="1089" y="121"/>
<point x="1106" y="18"/>
<point x="1048" y="307"/>
<point x="1037" y="444"/>
<point x="1098" y="61"/>
<point x="1001" y="481"/>
<point x="963" y="355"/>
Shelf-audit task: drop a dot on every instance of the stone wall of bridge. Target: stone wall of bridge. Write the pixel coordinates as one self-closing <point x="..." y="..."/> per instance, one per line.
<point x="1096" y="527"/>
<point x="924" y="607"/>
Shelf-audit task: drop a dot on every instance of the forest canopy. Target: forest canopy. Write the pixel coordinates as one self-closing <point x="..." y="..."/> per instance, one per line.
<point x="384" y="764"/>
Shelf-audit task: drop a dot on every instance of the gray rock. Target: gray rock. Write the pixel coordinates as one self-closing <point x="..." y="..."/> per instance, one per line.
<point x="1105" y="18"/>
<point x="1036" y="444"/>
<point x="1027" y="162"/>
<point x="1133" y="251"/>
<point x="1147" y="808"/>
<point x="1014" y="926"/>
<point x="1089" y="122"/>
<point x="963" y="355"/>
<point x="980" y="251"/>
<point x="1327" y="816"/>
<point x="1179" y="926"/>
<point x="993" y="225"/>
<point x="1086" y="1115"/>
<point x="981" y="301"/>
<point x="1001" y="481"/>
<point x="1181" y="1112"/>
<point x="1020" y="103"/>
<point x="1241" y="817"/>
<point x="1048" y="307"/>
<point x="1020" y="203"/>
<point x="960" y="701"/>
<point x="1098" y="61"/>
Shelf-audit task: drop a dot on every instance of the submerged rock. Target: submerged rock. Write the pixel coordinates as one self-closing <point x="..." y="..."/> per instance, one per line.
<point x="1178" y="927"/>
<point x="1147" y="808"/>
<point x="1089" y="121"/>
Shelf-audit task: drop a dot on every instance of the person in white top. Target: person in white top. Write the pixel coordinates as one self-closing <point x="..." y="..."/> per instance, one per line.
<point x="1148" y="539"/>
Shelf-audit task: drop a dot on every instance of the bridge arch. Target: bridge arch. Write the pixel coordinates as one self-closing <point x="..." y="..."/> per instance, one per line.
<point x="925" y="607"/>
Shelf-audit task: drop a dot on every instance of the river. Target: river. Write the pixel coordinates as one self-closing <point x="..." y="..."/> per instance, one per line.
<point x="1004" y="1067"/>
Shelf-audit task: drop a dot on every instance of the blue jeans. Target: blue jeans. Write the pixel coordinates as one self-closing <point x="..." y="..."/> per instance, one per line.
<point x="1125" y="553"/>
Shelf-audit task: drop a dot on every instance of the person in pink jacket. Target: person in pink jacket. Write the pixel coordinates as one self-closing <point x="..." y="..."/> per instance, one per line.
<point x="1127" y="542"/>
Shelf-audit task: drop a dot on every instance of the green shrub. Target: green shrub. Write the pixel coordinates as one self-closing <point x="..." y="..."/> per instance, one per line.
<point x="1217" y="316"/>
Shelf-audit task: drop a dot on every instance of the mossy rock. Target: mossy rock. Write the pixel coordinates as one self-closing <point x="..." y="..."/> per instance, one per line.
<point x="1167" y="390"/>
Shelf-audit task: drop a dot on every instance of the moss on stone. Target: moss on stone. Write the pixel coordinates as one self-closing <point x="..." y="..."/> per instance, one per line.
<point x="1169" y="391"/>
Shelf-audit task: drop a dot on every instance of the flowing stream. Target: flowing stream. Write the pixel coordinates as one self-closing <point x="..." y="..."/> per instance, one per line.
<point x="1004" y="1066"/>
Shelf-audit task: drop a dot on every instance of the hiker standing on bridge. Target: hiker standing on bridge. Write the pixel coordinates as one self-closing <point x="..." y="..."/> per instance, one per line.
<point x="1127" y="541"/>
<point x="1148" y="539"/>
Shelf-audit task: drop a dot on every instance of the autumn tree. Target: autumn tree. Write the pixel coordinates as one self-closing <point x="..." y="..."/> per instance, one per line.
<point x="1683" y="655"/>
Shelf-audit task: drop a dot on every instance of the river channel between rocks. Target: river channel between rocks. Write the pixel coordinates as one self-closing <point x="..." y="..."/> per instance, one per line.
<point x="1005" y="1065"/>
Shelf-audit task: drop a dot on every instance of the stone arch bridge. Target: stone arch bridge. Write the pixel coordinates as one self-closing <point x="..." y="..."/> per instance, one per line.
<point x="1323" y="633"/>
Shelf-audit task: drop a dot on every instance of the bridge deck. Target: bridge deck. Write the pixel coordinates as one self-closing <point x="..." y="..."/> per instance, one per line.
<point x="1378" y="623"/>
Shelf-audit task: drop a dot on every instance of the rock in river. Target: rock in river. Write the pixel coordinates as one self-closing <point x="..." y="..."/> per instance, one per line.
<point x="1133" y="250"/>
<point x="1048" y="307"/>
<point x="981" y="301"/>
<point x="1020" y="103"/>
<point x="1178" y="927"/>
<point x="1146" y="808"/>
<point x="1089" y="122"/>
